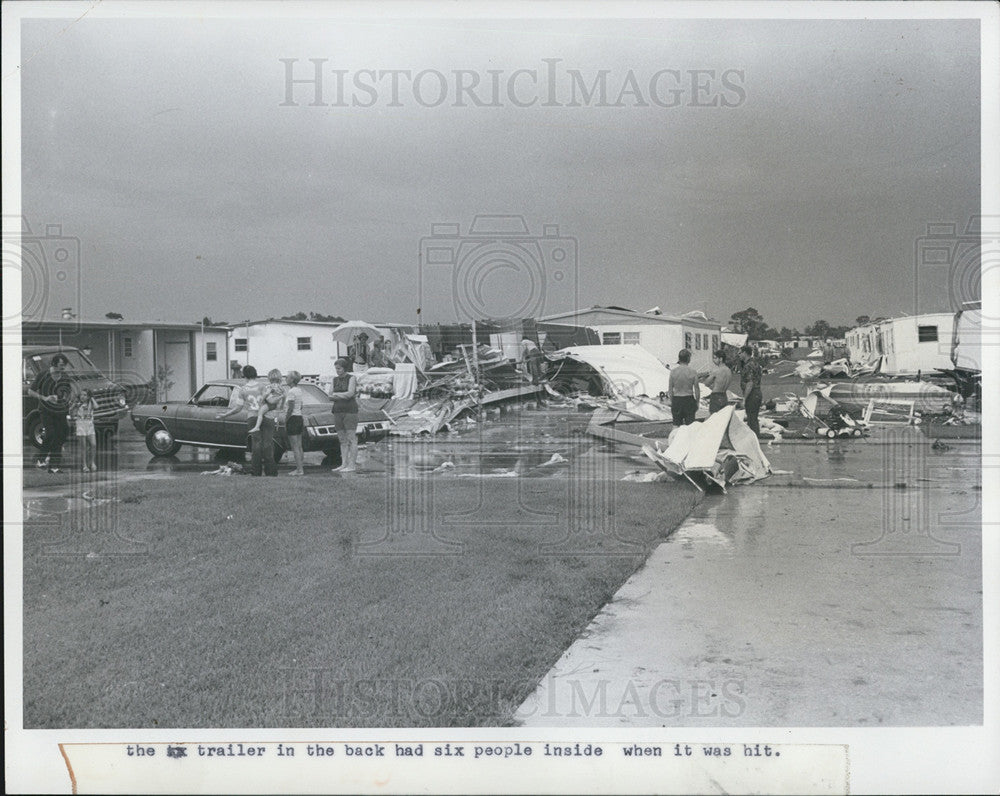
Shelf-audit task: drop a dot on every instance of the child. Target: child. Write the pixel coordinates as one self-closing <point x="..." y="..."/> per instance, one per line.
<point x="273" y="396"/>
<point x="84" y="413"/>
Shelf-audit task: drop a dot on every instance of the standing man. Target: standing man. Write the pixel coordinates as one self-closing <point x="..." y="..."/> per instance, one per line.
<point x="532" y="357"/>
<point x="53" y="390"/>
<point x="719" y="380"/>
<point x="248" y="396"/>
<point x="750" y="375"/>
<point x="684" y="390"/>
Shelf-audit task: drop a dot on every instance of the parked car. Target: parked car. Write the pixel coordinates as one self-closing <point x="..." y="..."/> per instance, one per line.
<point x="168" y="426"/>
<point x="82" y="374"/>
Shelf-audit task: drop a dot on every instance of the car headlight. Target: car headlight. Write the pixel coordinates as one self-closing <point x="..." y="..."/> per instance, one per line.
<point x="121" y="399"/>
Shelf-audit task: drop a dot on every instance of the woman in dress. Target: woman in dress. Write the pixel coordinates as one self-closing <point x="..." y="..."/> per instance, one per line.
<point x="345" y="416"/>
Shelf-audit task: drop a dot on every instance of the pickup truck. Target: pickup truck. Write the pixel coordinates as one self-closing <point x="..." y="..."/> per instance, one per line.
<point x="82" y="374"/>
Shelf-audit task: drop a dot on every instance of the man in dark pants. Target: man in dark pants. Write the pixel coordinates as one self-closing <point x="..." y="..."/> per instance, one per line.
<point x="719" y="380"/>
<point x="684" y="390"/>
<point x="750" y="375"/>
<point x="53" y="391"/>
<point x="248" y="396"/>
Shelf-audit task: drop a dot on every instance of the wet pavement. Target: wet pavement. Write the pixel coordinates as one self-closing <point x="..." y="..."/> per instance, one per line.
<point x="843" y="590"/>
<point x="797" y="602"/>
<point x="522" y="441"/>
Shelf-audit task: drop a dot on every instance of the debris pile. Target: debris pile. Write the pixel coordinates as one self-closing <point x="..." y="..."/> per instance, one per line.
<point x="720" y="451"/>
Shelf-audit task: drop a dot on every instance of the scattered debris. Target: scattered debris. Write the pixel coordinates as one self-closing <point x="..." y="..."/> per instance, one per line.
<point x="232" y="468"/>
<point x="645" y="478"/>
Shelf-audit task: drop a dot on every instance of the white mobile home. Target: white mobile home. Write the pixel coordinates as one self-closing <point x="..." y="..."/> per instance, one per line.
<point x="661" y="335"/>
<point x="305" y="346"/>
<point x="907" y="345"/>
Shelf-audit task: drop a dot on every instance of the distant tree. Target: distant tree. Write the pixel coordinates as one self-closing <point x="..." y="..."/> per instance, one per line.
<point x="320" y="318"/>
<point x="114" y="316"/>
<point x="861" y="320"/>
<point x="787" y="334"/>
<point x="819" y="329"/>
<point x="209" y="322"/>
<point x="312" y="316"/>
<point x="750" y="322"/>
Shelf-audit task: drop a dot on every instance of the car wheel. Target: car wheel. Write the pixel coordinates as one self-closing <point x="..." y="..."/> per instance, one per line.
<point x="831" y="433"/>
<point x="161" y="442"/>
<point x="36" y="432"/>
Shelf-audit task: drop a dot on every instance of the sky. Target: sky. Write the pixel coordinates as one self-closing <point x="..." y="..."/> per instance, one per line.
<point x="788" y="165"/>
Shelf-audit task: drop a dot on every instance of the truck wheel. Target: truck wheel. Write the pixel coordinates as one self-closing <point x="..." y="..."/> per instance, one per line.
<point x="161" y="442"/>
<point x="36" y="432"/>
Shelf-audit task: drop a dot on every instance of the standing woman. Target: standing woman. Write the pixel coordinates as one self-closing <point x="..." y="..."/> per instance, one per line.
<point x="293" y="419"/>
<point x="345" y="416"/>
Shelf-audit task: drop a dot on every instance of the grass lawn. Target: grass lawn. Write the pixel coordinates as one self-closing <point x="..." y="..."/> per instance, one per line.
<point x="246" y="602"/>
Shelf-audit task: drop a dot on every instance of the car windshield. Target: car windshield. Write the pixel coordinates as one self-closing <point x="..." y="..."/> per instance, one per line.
<point x="311" y="394"/>
<point x="77" y="363"/>
<point x="213" y="395"/>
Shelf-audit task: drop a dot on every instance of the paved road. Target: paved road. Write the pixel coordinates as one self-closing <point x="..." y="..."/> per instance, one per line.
<point x="810" y="599"/>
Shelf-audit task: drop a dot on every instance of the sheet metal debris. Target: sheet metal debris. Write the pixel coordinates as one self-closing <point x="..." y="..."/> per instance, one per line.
<point x="719" y="451"/>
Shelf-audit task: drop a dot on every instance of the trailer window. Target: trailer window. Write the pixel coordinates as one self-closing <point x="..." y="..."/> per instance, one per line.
<point x="927" y="334"/>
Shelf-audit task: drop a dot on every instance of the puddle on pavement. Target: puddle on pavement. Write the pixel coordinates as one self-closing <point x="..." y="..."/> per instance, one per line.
<point x="693" y="533"/>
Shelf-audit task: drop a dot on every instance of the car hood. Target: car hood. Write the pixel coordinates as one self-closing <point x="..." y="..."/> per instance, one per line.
<point x="92" y="380"/>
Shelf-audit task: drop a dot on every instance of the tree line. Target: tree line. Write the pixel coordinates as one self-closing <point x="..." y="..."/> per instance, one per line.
<point x="752" y="323"/>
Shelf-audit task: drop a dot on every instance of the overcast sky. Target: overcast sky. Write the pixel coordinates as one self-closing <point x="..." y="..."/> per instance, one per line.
<point x="796" y="178"/>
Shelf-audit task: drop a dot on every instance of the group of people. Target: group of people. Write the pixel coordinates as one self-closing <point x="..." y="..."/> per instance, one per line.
<point x="60" y="404"/>
<point x="685" y="386"/>
<point x="282" y="396"/>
